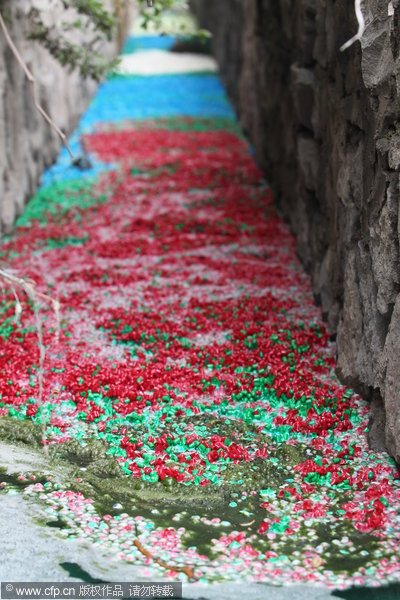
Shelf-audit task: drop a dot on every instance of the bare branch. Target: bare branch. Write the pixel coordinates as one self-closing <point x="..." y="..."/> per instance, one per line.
<point x="18" y="306"/>
<point x="31" y="80"/>
<point x="29" y="288"/>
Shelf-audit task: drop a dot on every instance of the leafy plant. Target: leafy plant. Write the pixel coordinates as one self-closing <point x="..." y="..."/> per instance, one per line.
<point x="85" y="57"/>
<point x="154" y="15"/>
<point x="97" y="26"/>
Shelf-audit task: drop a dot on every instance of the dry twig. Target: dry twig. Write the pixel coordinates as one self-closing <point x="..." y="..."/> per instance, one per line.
<point x="187" y="569"/>
<point x="29" y="288"/>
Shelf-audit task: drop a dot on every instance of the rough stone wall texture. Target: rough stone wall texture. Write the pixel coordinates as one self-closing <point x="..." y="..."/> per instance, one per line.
<point x="326" y="128"/>
<point x="27" y="143"/>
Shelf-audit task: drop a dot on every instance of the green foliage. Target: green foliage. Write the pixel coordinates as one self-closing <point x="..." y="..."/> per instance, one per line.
<point x="153" y="16"/>
<point x="85" y="57"/>
<point x="102" y="20"/>
<point x="178" y="21"/>
<point x="96" y="24"/>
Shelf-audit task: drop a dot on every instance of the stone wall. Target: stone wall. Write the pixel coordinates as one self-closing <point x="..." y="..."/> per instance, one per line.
<point x="326" y="128"/>
<point x="27" y="143"/>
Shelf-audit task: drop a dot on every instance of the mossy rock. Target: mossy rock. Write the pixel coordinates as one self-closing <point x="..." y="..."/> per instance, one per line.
<point x="228" y="427"/>
<point x="289" y="455"/>
<point x="92" y="455"/>
<point x="21" y="432"/>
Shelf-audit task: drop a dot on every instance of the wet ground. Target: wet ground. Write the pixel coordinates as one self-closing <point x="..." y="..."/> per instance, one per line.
<point x="191" y="425"/>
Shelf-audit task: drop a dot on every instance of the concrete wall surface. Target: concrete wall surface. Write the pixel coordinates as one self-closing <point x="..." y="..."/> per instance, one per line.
<point x="27" y="144"/>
